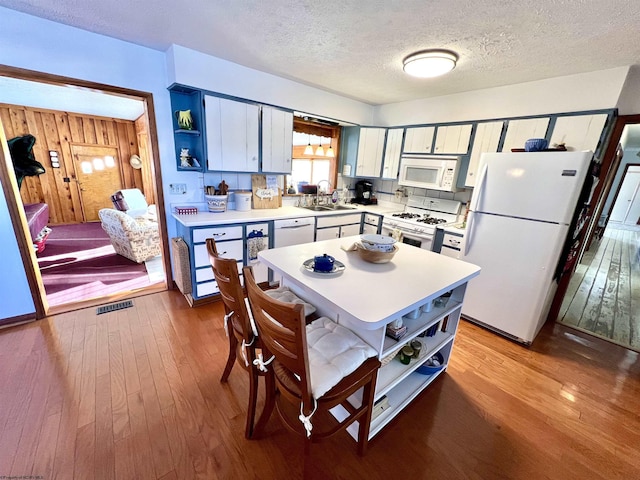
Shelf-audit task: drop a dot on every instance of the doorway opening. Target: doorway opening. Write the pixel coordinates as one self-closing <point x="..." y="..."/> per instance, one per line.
<point x="603" y="297"/>
<point x="88" y="155"/>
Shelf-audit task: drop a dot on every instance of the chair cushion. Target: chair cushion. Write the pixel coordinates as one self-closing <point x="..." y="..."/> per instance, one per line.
<point x="284" y="295"/>
<point x="334" y="353"/>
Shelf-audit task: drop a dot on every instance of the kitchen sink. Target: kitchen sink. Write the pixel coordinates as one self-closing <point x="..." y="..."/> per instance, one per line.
<point x="316" y="208"/>
<point x="338" y="207"/>
<point x="327" y="208"/>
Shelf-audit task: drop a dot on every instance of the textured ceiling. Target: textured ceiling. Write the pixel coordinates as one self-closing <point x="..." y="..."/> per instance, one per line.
<point x="355" y="48"/>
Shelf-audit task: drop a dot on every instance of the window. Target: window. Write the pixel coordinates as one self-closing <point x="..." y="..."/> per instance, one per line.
<point x="311" y="165"/>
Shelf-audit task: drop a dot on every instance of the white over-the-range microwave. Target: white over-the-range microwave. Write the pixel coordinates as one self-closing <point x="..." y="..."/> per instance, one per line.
<point x="432" y="172"/>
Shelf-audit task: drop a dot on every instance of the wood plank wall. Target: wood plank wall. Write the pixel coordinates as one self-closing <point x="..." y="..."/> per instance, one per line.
<point x="56" y="130"/>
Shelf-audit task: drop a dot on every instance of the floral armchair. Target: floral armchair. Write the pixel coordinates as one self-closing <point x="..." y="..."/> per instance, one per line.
<point x="137" y="239"/>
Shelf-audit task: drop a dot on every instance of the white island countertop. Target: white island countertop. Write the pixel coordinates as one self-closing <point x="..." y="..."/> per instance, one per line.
<point x="370" y="295"/>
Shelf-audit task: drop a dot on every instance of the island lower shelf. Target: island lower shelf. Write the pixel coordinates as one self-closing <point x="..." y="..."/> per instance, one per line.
<point x="400" y="384"/>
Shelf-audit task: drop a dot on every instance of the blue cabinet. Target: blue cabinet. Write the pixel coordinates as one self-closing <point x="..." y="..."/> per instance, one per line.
<point x="188" y="99"/>
<point x="232" y="241"/>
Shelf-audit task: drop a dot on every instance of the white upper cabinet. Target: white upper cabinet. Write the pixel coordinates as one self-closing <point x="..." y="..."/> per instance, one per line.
<point x="419" y="140"/>
<point x="370" y="150"/>
<point x="453" y="139"/>
<point x="519" y="131"/>
<point x="232" y="135"/>
<point x="486" y="140"/>
<point x="277" y="139"/>
<point x="578" y="132"/>
<point x="392" y="153"/>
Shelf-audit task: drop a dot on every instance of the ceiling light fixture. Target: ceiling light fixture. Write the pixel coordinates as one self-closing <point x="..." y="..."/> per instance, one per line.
<point x="430" y="63"/>
<point x="320" y="150"/>
<point x="308" y="149"/>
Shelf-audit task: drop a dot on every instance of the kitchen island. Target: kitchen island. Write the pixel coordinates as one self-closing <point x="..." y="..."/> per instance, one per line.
<point x="366" y="297"/>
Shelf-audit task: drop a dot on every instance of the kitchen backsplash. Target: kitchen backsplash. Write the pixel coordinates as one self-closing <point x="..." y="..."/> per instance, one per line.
<point x="385" y="189"/>
<point x="386" y="192"/>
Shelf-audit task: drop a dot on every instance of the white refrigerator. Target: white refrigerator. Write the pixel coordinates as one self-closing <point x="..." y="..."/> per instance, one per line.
<point x="518" y="221"/>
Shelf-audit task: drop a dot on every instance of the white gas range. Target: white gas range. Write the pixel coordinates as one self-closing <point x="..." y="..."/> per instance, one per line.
<point x="417" y="222"/>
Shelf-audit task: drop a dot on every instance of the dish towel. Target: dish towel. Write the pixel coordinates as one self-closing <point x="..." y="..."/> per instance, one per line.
<point x="350" y="248"/>
<point x="396" y="235"/>
<point x="255" y="245"/>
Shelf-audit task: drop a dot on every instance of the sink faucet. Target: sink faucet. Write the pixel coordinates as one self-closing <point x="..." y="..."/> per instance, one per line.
<point x="318" y="189"/>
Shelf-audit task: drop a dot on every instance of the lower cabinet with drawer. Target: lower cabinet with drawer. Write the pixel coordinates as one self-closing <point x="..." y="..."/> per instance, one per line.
<point x="371" y="223"/>
<point x="449" y="242"/>
<point x="241" y="242"/>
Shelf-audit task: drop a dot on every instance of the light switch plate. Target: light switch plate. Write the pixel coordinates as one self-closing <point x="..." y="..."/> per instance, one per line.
<point x="178" y="188"/>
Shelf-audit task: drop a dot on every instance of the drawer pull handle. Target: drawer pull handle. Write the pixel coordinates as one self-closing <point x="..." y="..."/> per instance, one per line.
<point x="454" y="242"/>
<point x="219" y="234"/>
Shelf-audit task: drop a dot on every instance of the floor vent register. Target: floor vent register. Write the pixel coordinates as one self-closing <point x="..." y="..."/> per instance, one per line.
<point x="113" y="307"/>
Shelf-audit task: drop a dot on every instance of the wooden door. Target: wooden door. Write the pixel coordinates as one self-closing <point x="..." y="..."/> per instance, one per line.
<point x="98" y="177"/>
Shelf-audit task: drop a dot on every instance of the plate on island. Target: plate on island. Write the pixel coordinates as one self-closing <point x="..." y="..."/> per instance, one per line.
<point x="338" y="268"/>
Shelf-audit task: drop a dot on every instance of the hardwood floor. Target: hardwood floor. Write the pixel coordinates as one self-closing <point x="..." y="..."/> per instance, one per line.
<point x="135" y="394"/>
<point x="604" y="293"/>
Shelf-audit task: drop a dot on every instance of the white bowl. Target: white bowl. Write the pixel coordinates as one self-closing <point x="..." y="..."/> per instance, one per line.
<point x="379" y="243"/>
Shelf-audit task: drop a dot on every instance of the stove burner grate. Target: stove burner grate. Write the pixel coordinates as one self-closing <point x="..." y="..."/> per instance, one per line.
<point x="431" y="220"/>
<point x="406" y="215"/>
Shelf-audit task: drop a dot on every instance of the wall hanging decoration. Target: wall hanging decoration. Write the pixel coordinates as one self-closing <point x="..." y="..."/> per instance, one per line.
<point x="24" y="162"/>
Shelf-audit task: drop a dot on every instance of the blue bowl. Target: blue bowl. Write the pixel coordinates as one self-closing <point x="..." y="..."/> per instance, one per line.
<point x="425" y="369"/>
<point x="535" y="144"/>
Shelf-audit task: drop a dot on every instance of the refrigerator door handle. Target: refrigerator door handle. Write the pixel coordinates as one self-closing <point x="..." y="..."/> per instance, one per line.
<point x="480" y="187"/>
<point x="469" y="234"/>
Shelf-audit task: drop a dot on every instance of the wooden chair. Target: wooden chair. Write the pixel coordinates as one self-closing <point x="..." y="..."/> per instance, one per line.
<point x="284" y="340"/>
<point x="243" y="340"/>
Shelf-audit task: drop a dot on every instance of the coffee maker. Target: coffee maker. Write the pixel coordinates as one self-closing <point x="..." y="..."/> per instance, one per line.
<point x="364" y="193"/>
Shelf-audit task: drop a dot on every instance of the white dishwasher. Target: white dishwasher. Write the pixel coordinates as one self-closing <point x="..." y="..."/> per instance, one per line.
<point x="293" y="231"/>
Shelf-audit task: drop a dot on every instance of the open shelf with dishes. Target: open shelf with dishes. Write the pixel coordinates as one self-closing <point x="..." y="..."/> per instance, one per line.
<point x="416" y="326"/>
<point x="399" y="383"/>
<point x="187" y="108"/>
<point x="398" y="391"/>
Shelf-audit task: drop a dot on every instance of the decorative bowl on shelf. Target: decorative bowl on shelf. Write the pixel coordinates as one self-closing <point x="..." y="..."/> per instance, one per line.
<point x="375" y="256"/>
<point x="535" y="144"/>
<point x="432" y="365"/>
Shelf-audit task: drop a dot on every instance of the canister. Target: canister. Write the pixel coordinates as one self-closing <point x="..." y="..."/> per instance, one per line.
<point x="416" y="346"/>
<point x="243" y="201"/>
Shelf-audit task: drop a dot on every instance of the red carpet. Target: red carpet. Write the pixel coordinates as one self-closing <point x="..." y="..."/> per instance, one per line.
<point x="79" y="263"/>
